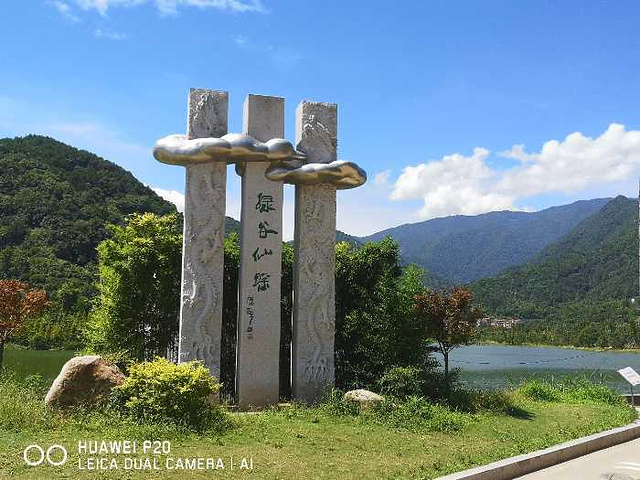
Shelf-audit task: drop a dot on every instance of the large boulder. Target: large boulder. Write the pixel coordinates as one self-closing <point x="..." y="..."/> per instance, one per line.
<point x="364" y="398"/>
<point x="83" y="380"/>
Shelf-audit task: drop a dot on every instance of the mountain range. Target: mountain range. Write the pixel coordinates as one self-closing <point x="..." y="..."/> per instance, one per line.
<point x="56" y="200"/>
<point x="461" y="249"/>
<point x="596" y="261"/>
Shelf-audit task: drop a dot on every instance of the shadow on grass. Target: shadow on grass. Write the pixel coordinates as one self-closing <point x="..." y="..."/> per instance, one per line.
<point x="475" y="401"/>
<point x="519" y="413"/>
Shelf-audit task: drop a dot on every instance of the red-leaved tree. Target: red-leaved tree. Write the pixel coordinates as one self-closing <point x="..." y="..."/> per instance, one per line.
<point x="18" y="303"/>
<point x="449" y="318"/>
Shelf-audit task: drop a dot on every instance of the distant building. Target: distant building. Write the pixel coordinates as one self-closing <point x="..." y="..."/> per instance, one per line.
<point x="506" y="322"/>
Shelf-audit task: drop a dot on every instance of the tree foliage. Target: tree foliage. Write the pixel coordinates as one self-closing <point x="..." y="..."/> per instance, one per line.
<point x="138" y="303"/>
<point x="449" y="318"/>
<point x="375" y="328"/>
<point x="18" y="303"/>
<point x="604" y="324"/>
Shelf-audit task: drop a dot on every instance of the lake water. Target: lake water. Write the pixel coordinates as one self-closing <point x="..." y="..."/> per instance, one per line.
<point x="496" y="366"/>
<point x="46" y="363"/>
<point x="482" y="366"/>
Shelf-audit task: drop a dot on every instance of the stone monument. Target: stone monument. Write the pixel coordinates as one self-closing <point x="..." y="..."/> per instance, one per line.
<point x="265" y="161"/>
<point x="203" y="242"/>
<point x="314" y="311"/>
<point x="258" y="365"/>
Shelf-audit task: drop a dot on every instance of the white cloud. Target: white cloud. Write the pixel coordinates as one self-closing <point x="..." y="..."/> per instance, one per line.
<point x="576" y="163"/>
<point x="382" y="178"/>
<point x="99" y="33"/>
<point x="173" y="196"/>
<point x="171" y="7"/>
<point x="467" y="185"/>
<point x="65" y="10"/>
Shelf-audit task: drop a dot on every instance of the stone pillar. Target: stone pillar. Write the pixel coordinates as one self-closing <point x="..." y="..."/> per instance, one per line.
<point x="313" y="366"/>
<point x="203" y="245"/>
<point x="257" y="378"/>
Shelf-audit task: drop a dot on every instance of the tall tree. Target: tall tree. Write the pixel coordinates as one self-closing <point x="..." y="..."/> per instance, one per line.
<point x="449" y="318"/>
<point x="375" y="327"/>
<point x="138" y="303"/>
<point x="18" y="303"/>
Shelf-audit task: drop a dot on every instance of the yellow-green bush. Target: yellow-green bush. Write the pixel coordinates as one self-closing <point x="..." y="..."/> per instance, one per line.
<point x="160" y="390"/>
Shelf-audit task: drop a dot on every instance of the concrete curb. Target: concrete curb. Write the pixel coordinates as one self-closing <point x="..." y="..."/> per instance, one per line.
<point x="530" y="462"/>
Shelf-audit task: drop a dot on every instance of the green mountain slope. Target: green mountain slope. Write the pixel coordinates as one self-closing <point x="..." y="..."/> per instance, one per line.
<point x="461" y="249"/>
<point x="344" y="237"/>
<point x="596" y="261"/>
<point x="55" y="203"/>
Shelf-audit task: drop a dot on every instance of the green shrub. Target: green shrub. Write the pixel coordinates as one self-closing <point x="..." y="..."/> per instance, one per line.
<point x="475" y="401"/>
<point x="437" y="387"/>
<point x="121" y="359"/>
<point x="335" y="404"/>
<point x="418" y="414"/>
<point x="590" y="392"/>
<point x="493" y="401"/>
<point x="402" y="382"/>
<point x="160" y="390"/>
<point x="540" y="391"/>
<point x="427" y="381"/>
<point x="586" y="390"/>
<point x="571" y="390"/>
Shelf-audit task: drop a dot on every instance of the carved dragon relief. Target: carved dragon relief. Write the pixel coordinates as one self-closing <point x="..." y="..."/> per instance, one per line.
<point x="201" y="293"/>
<point x="206" y="114"/>
<point x="317" y="272"/>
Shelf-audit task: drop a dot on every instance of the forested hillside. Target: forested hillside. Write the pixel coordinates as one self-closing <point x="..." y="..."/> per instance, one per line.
<point x="345" y="237"/>
<point x="597" y="261"/>
<point x="55" y="203"/>
<point x="461" y="249"/>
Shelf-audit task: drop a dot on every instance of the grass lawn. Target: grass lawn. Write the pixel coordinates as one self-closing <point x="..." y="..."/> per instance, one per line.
<point x="301" y="443"/>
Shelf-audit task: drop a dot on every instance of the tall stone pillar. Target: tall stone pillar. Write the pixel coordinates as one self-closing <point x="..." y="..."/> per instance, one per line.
<point x="257" y="377"/>
<point x="203" y="246"/>
<point x="314" y="268"/>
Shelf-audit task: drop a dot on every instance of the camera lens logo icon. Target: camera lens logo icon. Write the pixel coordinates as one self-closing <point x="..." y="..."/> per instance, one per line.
<point x="35" y="455"/>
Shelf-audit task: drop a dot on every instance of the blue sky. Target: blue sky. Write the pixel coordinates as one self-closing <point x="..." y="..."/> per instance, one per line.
<point x="451" y="107"/>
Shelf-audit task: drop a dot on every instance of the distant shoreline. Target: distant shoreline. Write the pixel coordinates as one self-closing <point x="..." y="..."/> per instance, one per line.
<point x="568" y="347"/>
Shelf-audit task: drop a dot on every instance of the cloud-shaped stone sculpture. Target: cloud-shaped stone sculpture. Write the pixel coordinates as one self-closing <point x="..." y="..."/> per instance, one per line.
<point x="286" y="162"/>
<point x="339" y="173"/>
<point x="231" y="148"/>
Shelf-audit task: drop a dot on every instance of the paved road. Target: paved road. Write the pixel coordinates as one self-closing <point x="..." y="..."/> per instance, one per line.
<point x="621" y="462"/>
